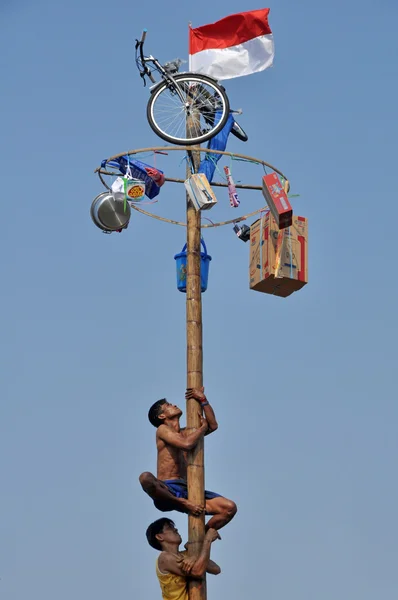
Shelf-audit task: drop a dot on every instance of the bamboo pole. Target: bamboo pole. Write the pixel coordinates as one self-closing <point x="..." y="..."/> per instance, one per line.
<point x="195" y="466"/>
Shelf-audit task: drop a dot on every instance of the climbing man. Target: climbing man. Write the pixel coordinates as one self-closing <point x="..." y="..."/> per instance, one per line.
<point x="169" y="490"/>
<point x="173" y="567"/>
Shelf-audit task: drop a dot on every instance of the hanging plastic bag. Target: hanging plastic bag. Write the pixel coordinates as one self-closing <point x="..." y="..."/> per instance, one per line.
<point x="156" y="175"/>
<point x="134" y="189"/>
<point x="137" y="169"/>
<point x="218" y="142"/>
<point x="128" y="189"/>
<point x="117" y="188"/>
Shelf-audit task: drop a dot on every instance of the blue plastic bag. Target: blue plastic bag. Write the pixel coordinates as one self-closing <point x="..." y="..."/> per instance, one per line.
<point x="218" y="142"/>
<point x="137" y="170"/>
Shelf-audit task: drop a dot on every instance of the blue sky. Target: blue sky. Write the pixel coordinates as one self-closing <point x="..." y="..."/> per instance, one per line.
<point x="93" y="328"/>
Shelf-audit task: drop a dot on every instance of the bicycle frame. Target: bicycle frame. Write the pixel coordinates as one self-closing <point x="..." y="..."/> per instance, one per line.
<point x="207" y="106"/>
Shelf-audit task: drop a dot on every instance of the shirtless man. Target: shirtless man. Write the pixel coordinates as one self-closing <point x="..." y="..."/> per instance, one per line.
<point x="169" y="490"/>
<point x="175" y="568"/>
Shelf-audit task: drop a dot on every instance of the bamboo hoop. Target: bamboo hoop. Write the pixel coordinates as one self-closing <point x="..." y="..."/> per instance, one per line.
<point x="100" y="171"/>
<point x="189" y="149"/>
<point x="203" y="225"/>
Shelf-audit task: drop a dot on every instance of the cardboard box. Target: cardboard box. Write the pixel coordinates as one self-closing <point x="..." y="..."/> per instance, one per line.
<point x="277" y="200"/>
<point x="200" y="192"/>
<point x="278" y="258"/>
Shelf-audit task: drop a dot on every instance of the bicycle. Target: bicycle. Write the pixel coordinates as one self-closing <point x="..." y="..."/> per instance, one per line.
<point x="179" y="96"/>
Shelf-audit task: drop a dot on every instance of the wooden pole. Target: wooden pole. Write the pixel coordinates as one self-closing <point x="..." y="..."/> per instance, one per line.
<point x="195" y="467"/>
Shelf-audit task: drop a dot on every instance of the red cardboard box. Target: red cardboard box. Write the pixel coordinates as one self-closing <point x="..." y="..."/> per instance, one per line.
<point x="278" y="259"/>
<point x="277" y="200"/>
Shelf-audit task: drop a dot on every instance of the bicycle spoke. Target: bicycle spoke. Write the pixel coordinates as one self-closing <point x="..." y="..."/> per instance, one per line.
<point x="173" y="122"/>
<point x="165" y="116"/>
<point x="170" y="115"/>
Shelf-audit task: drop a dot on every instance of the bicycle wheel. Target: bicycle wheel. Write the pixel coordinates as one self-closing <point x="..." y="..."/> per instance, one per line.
<point x="167" y="113"/>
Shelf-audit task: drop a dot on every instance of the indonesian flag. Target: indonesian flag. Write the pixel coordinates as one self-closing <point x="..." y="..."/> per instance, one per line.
<point x="237" y="45"/>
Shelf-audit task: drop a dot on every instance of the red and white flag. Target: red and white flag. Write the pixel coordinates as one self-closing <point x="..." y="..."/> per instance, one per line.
<point x="237" y="45"/>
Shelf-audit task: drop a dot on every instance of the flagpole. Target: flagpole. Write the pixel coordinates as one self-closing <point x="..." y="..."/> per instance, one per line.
<point x="189" y="45"/>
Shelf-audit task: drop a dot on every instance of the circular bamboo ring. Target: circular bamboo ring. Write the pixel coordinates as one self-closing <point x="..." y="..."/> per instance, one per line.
<point x="100" y="171"/>
<point x="203" y="225"/>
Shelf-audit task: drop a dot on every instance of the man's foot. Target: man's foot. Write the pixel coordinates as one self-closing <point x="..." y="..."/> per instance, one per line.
<point x="191" y="508"/>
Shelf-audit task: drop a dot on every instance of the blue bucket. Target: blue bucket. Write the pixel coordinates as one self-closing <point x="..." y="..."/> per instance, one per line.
<point x="181" y="264"/>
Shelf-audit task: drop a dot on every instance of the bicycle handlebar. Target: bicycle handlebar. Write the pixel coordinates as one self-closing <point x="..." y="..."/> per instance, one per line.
<point x="141" y="44"/>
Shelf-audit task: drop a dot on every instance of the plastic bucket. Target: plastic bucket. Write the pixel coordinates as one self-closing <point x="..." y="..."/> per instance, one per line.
<point x="181" y="265"/>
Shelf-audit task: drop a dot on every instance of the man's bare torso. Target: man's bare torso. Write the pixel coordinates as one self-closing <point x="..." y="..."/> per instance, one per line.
<point x="172" y="463"/>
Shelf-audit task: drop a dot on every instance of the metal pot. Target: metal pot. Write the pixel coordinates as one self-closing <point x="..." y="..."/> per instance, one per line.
<point x="109" y="214"/>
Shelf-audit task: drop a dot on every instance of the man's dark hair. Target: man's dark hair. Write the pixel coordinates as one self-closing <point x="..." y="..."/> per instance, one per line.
<point x="155" y="411"/>
<point x="155" y="528"/>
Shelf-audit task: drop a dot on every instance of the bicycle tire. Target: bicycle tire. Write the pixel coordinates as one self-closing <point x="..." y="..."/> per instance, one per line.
<point x="238" y="132"/>
<point x="182" y="139"/>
